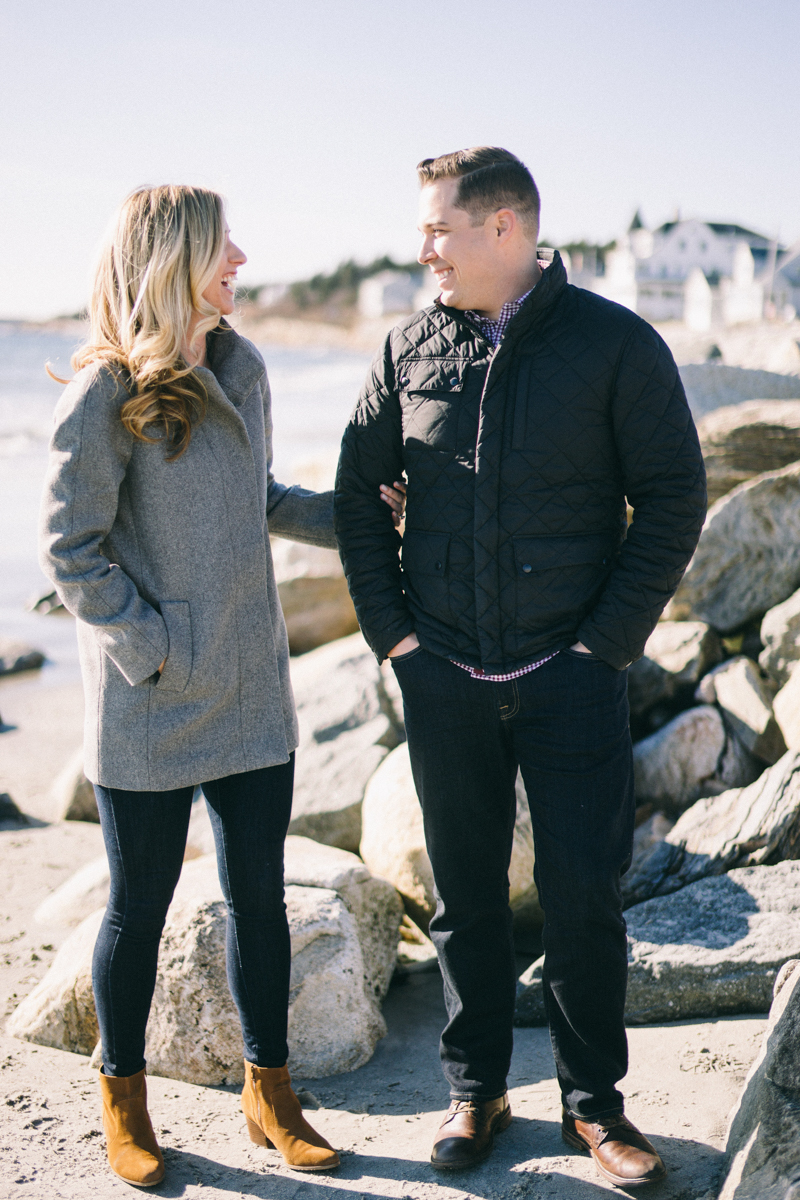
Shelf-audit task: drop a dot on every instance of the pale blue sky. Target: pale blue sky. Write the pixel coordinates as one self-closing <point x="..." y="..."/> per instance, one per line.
<point x="310" y="116"/>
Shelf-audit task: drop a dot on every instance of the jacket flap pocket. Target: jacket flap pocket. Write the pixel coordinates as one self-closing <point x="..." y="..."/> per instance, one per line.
<point x="432" y="375"/>
<point x="178" y="667"/>
<point x="425" y="553"/>
<point x="533" y="554"/>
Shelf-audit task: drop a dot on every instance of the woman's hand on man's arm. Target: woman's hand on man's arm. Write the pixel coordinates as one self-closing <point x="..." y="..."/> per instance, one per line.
<point x="395" y="497"/>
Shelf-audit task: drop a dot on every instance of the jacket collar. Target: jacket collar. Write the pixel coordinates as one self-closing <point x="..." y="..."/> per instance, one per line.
<point x="236" y="366"/>
<point x="551" y="284"/>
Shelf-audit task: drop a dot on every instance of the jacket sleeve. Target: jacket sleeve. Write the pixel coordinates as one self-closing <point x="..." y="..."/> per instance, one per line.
<point x="665" y="484"/>
<point x="89" y="454"/>
<point x="369" y="544"/>
<point x="294" y="512"/>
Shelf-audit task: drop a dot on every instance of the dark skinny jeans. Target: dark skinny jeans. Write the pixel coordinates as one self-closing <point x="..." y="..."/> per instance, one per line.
<point x="566" y="726"/>
<point x="145" y="838"/>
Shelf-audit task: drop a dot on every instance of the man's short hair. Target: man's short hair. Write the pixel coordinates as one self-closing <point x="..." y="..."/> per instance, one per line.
<point x="489" y="178"/>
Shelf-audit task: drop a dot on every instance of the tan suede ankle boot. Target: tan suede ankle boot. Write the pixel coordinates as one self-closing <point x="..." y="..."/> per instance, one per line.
<point x="133" y="1151"/>
<point x="275" y="1119"/>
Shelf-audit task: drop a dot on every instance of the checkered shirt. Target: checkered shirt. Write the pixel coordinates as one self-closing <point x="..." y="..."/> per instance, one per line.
<point x="479" y="673"/>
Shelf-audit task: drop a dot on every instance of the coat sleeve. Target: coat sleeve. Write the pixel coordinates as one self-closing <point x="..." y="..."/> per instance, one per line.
<point x="294" y="512"/>
<point x="89" y="454"/>
<point x="665" y="484"/>
<point x="372" y="453"/>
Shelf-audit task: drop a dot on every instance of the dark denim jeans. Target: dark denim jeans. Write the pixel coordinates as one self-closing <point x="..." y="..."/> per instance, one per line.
<point x="566" y="725"/>
<point x="145" y="838"/>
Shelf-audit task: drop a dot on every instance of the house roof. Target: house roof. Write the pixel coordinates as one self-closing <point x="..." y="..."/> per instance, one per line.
<point x="722" y="229"/>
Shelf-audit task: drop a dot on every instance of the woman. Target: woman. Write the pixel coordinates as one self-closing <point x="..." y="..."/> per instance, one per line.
<point x="156" y="518"/>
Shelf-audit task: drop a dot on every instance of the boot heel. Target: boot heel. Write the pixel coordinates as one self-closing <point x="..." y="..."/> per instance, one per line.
<point x="257" y="1135"/>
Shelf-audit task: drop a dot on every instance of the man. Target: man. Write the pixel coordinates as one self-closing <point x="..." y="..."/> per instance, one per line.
<point x="523" y="412"/>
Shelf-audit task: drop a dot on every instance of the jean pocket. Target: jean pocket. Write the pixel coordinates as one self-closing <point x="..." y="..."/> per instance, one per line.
<point x="587" y="657"/>
<point x="398" y="658"/>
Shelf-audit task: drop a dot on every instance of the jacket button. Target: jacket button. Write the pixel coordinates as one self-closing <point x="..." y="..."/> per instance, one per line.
<point x="404" y="380"/>
<point x="438" y="566"/>
<point x="454" y="381"/>
<point x="527" y="568"/>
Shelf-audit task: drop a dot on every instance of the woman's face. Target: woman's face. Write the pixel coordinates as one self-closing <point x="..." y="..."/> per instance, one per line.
<point x="221" y="292"/>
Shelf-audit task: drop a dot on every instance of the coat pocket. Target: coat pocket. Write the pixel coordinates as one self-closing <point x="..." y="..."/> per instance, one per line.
<point x="431" y="401"/>
<point x="558" y="577"/>
<point x="425" y="572"/>
<point x="178" y="667"/>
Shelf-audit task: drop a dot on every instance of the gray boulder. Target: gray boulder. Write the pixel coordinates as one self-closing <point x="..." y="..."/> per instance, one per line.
<point x="691" y="756"/>
<point x="677" y="655"/>
<point x="60" y="1011"/>
<point x="780" y="635"/>
<point x="746" y="826"/>
<point x="741" y="441"/>
<point x="393" y="844"/>
<point x="72" y="796"/>
<point x="313" y="592"/>
<point x="16" y="656"/>
<point x="787" y="710"/>
<point x="762" y="1154"/>
<point x="748" y="557"/>
<point x="347" y="727"/>
<point x="713" y="949"/>
<point x="344" y="946"/>
<point x="745" y="698"/>
<point x="709" y="386"/>
<point x="78" y="897"/>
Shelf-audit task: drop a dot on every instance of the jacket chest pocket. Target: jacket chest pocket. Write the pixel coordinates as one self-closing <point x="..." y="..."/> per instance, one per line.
<point x="431" y="398"/>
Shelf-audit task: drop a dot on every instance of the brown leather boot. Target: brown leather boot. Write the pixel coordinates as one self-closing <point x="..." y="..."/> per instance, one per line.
<point x="621" y="1153"/>
<point x="275" y="1119"/>
<point x="466" y="1135"/>
<point x="133" y="1151"/>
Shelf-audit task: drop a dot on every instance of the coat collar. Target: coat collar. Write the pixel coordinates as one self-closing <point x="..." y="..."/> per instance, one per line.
<point x="234" y="363"/>
<point x="551" y="284"/>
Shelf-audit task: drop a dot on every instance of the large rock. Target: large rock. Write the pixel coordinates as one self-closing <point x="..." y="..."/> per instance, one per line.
<point x="754" y="825"/>
<point x="72" y="796"/>
<point x="762" y="1154"/>
<point x="741" y="441"/>
<point x="711" y="950"/>
<point x="393" y="844"/>
<point x="60" y="1010"/>
<point x="748" y="557"/>
<point x="16" y="656"/>
<point x="79" y="896"/>
<point x="711" y="386"/>
<point x="313" y="592"/>
<point x="787" y="710"/>
<point x="343" y="951"/>
<point x="780" y="635"/>
<point x="676" y="656"/>
<point x="745" y="698"/>
<point x="347" y="727"/>
<point x="692" y="756"/>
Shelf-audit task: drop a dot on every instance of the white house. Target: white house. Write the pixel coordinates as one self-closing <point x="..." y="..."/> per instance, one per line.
<point x="388" y="292"/>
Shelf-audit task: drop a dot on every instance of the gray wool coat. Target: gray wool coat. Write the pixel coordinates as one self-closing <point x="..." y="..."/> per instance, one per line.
<point x="171" y="560"/>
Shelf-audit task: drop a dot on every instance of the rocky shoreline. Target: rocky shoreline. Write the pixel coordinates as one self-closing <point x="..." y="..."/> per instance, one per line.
<point x="712" y="896"/>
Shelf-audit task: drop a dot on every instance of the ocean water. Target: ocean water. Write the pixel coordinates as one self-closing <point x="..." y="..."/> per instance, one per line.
<point x="313" y="393"/>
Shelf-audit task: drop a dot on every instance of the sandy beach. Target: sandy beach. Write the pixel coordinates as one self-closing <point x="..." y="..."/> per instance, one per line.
<point x="683" y="1080"/>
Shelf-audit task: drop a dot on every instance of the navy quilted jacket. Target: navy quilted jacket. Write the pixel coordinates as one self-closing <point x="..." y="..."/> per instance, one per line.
<point x="518" y="464"/>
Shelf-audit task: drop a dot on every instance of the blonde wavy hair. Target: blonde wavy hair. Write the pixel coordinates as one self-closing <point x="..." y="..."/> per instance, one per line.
<point x="161" y="255"/>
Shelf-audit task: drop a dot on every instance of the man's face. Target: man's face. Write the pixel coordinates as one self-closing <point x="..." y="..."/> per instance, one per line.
<point x="462" y="256"/>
